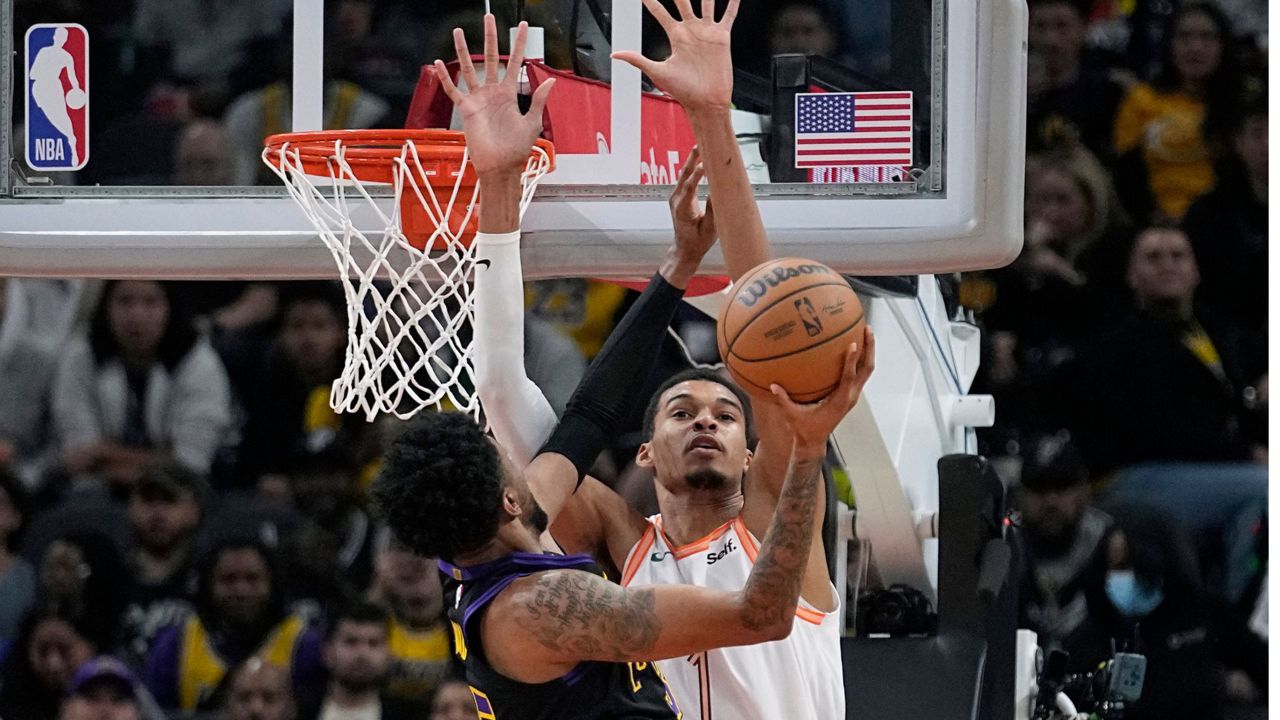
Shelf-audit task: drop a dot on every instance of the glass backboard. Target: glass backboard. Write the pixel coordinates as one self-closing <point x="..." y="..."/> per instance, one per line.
<point x="180" y="93"/>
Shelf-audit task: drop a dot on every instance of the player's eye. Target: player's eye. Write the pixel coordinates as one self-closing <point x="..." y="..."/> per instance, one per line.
<point x="680" y="414"/>
<point x="727" y="417"/>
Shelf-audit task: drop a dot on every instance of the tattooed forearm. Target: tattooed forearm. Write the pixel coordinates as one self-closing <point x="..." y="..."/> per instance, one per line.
<point x="590" y="617"/>
<point x="769" y="599"/>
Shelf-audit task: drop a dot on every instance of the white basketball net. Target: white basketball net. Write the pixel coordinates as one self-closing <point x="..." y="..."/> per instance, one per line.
<point x="408" y="311"/>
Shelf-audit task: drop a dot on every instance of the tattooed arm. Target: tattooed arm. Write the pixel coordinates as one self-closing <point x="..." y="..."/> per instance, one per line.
<point x="544" y="624"/>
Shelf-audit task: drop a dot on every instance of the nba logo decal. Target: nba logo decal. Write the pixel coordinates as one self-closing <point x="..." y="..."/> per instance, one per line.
<point x="57" y="86"/>
<point x="809" y="316"/>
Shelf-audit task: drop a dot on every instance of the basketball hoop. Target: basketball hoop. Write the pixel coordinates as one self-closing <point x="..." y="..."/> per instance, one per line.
<point x="408" y="285"/>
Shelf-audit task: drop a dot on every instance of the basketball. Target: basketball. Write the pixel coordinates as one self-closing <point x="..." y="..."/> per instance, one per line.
<point x="789" y="322"/>
<point x="76" y="99"/>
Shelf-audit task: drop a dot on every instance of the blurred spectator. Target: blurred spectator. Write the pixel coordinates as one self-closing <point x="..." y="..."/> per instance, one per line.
<point x="359" y="662"/>
<point x="17" y="576"/>
<point x="198" y="43"/>
<point x="1073" y="224"/>
<point x="38" y="669"/>
<point x="804" y="27"/>
<point x="1124" y="409"/>
<point x="203" y="155"/>
<point x="234" y="314"/>
<point x="1228" y="226"/>
<point x="1159" y="127"/>
<point x="410" y="586"/>
<point x="1065" y="551"/>
<point x="266" y="111"/>
<point x="26" y="374"/>
<point x="1152" y="603"/>
<point x="240" y="612"/>
<point x="337" y="537"/>
<point x="286" y="401"/>
<point x="380" y="46"/>
<point x="1079" y="96"/>
<point x="164" y="511"/>
<point x="453" y="701"/>
<point x="1157" y="404"/>
<point x="106" y="689"/>
<point x="82" y="575"/>
<point x="260" y="690"/>
<point x="585" y="310"/>
<point x="142" y="389"/>
<point x="1048" y="302"/>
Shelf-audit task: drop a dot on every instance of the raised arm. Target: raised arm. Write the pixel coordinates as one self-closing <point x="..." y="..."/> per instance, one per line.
<point x="699" y="74"/>
<point x="499" y="138"/>
<point x="548" y="622"/>
<point x="516" y="409"/>
<point x="519" y="414"/>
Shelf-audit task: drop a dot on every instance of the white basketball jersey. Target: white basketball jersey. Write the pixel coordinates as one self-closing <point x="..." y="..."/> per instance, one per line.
<point x="799" y="678"/>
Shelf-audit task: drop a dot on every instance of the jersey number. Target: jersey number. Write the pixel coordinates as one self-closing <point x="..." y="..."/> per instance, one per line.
<point x="700" y="661"/>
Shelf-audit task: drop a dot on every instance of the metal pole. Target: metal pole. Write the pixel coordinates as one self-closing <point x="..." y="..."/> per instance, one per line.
<point x="308" y="65"/>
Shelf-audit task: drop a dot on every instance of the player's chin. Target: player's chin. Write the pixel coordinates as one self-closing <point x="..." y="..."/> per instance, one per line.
<point x="706" y="478"/>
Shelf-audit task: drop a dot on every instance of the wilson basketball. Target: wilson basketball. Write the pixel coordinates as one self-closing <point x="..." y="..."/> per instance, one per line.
<point x="789" y="322"/>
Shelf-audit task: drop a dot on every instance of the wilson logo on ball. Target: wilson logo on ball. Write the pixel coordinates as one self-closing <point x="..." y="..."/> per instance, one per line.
<point x="751" y="294"/>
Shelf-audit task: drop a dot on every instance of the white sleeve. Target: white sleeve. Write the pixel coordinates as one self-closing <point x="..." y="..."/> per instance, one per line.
<point x="515" y="408"/>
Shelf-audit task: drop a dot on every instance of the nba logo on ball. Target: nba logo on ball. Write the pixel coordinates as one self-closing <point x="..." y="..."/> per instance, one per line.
<point x="57" y="84"/>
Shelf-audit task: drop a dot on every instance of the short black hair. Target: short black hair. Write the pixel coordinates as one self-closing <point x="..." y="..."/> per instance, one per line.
<point x="440" y="487"/>
<point x="1052" y="462"/>
<point x="708" y="375"/>
<point x="361" y="612"/>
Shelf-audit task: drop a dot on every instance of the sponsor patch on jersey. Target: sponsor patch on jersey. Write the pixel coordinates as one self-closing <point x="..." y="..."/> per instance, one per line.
<point x="715" y="557"/>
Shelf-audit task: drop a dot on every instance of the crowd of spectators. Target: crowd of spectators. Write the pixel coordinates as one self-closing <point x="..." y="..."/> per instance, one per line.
<point x="183" y="527"/>
<point x="1126" y="346"/>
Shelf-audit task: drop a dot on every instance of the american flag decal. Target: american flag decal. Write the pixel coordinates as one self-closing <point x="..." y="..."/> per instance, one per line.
<point x="853" y="129"/>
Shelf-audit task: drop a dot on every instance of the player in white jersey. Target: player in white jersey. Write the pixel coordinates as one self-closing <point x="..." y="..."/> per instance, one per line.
<point x="713" y="480"/>
<point x="799" y="677"/>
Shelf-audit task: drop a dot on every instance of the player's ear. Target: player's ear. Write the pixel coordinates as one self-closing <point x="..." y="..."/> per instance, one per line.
<point x="510" y="502"/>
<point x="746" y="465"/>
<point x="644" y="455"/>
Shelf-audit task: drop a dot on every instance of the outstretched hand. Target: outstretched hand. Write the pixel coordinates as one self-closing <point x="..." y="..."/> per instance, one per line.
<point x="499" y="136"/>
<point x="695" y="227"/>
<point x="699" y="72"/>
<point x="813" y="423"/>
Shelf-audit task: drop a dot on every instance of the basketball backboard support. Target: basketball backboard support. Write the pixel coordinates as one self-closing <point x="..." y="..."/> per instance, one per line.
<point x="958" y="205"/>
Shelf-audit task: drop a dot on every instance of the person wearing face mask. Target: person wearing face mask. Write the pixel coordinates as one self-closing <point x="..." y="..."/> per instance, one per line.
<point x="1151" y="602"/>
<point x="1158" y="405"/>
<point x="1065" y="544"/>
